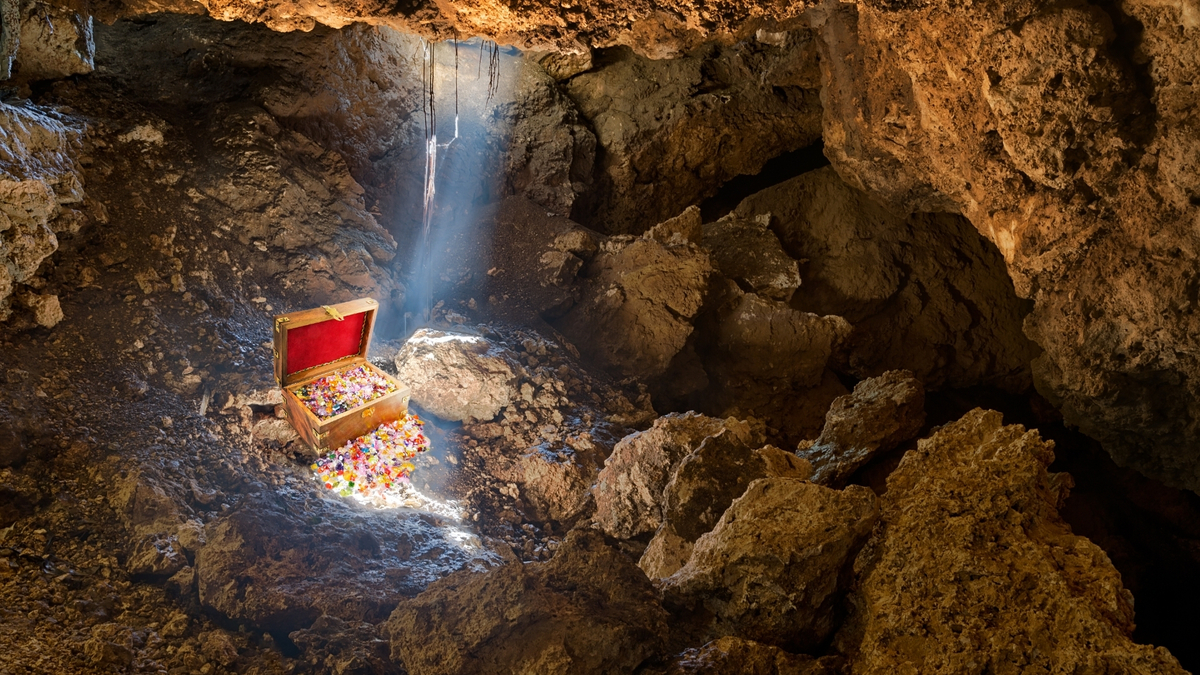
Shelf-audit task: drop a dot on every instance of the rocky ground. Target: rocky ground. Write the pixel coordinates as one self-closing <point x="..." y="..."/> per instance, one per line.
<point x="664" y="441"/>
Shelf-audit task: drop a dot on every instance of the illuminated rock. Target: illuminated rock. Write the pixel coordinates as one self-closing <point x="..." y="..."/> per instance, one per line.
<point x="971" y="546"/>
<point x="456" y="376"/>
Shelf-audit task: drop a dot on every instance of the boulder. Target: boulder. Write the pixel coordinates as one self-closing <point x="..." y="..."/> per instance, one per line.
<point x="775" y="567"/>
<point x="629" y="489"/>
<point x="587" y="610"/>
<point x="638" y="302"/>
<point x="338" y="646"/>
<point x="882" y="412"/>
<point x="748" y="253"/>
<point x="455" y="376"/>
<point x="703" y="485"/>
<point x="971" y="547"/>
<point x="735" y="656"/>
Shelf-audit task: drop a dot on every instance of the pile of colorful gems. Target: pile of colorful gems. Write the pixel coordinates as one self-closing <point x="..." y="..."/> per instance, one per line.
<point x="376" y="462"/>
<point x="344" y="390"/>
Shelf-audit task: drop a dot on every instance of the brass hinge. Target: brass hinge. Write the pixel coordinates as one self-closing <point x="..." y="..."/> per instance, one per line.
<point x="333" y="312"/>
<point x="321" y="437"/>
<point x="368" y="412"/>
<point x="275" y="352"/>
<point x="279" y="321"/>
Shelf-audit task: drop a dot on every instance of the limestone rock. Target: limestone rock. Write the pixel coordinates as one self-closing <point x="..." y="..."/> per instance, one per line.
<point x="270" y="563"/>
<point x="882" y="412"/>
<point x="776" y="565"/>
<point x="735" y="656"/>
<point x="703" y="486"/>
<point x="629" y="489"/>
<point x="746" y="252"/>
<point x="639" y="299"/>
<point x="971" y="546"/>
<point x="687" y="226"/>
<point x="587" y="610"/>
<point x="456" y="376"/>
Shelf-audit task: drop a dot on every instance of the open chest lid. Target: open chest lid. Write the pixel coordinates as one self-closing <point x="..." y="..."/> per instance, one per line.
<point x="313" y="341"/>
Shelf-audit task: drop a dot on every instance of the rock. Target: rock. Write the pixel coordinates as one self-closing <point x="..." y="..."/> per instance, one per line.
<point x="629" y="489"/>
<point x="109" y="645"/>
<point x="948" y="313"/>
<point x="882" y="412"/>
<point x="274" y="429"/>
<point x="638" y="301"/>
<point x="271" y="562"/>
<point x="971" y="546"/>
<point x="687" y="226"/>
<point x="456" y="376"/>
<point x="156" y="556"/>
<point x="735" y="656"/>
<point x="38" y="177"/>
<point x="341" y="647"/>
<point x="56" y="42"/>
<point x="746" y="252"/>
<point x="216" y="645"/>
<point x="563" y="65"/>
<point x="776" y="565"/>
<point x="587" y="610"/>
<point x="665" y="127"/>
<point x="702" y="486"/>
<point x="46" y="310"/>
<point x="764" y="358"/>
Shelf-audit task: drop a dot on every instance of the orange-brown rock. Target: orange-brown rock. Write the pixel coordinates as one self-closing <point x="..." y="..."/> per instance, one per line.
<point x="970" y="547"/>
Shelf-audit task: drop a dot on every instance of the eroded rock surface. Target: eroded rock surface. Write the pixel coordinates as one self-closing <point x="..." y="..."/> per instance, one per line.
<point x="881" y="413"/>
<point x="703" y="486"/>
<point x="587" y="610"/>
<point x="776" y="565"/>
<point x="971" y="546"/>
<point x="629" y="489"/>
<point x="670" y="130"/>
<point x="925" y="293"/>
<point x="457" y="376"/>
<point x="639" y="299"/>
<point x="735" y="656"/>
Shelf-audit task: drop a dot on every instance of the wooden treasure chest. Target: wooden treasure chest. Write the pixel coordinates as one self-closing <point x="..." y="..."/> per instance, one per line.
<point x="331" y="393"/>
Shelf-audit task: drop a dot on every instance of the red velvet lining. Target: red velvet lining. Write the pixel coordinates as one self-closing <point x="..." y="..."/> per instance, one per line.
<point x="320" y="343"/>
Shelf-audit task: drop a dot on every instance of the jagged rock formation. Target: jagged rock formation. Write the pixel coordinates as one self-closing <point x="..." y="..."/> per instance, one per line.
<point x="774" y="567"/>
<point x="924" y="293"/>
<point x="1067" y="137"/>
<point x="629" y="489"/>
<point x="970" y="547"/>
<point x="587" y="610"/>
<point x="881" y="413"/>
<point x="703" y="486"/>
<point x="669" y="130"/>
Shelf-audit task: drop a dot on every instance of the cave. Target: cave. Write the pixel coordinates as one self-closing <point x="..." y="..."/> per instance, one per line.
<point x="817" y="338"/>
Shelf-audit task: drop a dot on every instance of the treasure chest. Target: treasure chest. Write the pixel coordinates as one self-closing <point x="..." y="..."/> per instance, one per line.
<point x="331" y="393"/>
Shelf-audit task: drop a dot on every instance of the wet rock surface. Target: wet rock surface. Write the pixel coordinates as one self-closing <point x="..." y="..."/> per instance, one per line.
<point x="878" y="415"/>
<point x="587" y="610"/>
<point x="932" y="573"/>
